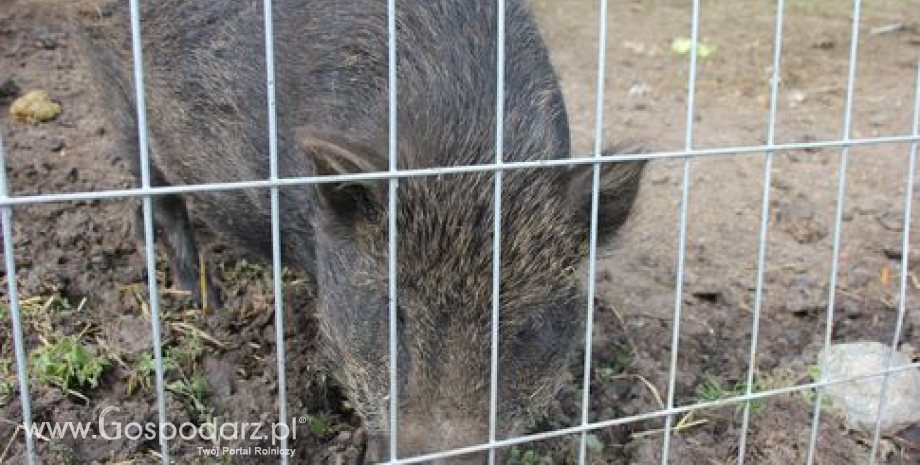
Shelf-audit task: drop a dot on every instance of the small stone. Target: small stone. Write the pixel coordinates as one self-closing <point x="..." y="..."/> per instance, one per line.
<point x="55" y="144"/>
<point x="48" y="41"/>
<point x="797" y="97"/>
<point x="8" y="88"/>
<point x="858" y="401"/>
<point x="639" y="89"/>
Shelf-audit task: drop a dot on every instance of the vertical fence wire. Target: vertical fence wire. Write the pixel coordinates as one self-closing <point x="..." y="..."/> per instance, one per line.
<point x="9" y="256"/>
<point x="277" y="288"/>
<point x="497" y="223"/>
<point x="764" y="226"/>
<point x="682" y="232"/>
<point x="391" y="228"/>
<point x="838" y="226"/>
<point x="905" y="262"/>
<point x="592" y="244"/>
<point x="149" y="238"/>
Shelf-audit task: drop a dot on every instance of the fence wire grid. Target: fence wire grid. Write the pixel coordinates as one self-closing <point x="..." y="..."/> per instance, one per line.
<point x="393" y="175"/>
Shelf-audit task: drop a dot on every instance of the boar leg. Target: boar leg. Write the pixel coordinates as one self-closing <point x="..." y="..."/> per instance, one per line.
<point x="172" y="225"/>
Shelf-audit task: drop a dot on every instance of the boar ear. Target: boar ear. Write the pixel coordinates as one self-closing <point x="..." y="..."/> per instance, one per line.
<point x="619" y="185"/>
<point x="331" y="155"/>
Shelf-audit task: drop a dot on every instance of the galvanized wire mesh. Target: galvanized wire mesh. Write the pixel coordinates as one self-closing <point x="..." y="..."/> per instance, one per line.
<point x="689" y="152"/>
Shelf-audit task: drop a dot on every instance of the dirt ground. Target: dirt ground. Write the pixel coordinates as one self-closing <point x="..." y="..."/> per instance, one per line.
<point x="81" y="274"/>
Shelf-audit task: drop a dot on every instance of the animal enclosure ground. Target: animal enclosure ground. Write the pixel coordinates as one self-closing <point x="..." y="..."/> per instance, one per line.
<point x="81" y="272"/>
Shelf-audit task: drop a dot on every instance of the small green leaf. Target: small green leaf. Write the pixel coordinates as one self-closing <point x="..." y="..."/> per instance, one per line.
<point x="814" y="372"/>
<point x="318" y="427"/>
<point x="68" y="365"/>
<point x="683" y="46"/>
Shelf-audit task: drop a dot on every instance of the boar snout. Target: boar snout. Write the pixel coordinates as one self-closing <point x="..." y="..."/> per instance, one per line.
<point x="427" y="437"/>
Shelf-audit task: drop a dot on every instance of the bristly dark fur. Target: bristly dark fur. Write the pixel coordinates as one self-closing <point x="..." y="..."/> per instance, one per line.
<point x="207" y="113"/>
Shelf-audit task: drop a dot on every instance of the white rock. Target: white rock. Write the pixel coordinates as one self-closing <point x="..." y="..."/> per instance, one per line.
<point x="797" y="97"/>
<point x="639" y="89"/>
<point x="858" y="401"/>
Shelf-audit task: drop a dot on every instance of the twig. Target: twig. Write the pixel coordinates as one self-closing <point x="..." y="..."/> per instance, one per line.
<point x="681" y="425"/>
<point x="188" y="328"/>
<point x="10" y="442"/>
<point x="648" y="384"/>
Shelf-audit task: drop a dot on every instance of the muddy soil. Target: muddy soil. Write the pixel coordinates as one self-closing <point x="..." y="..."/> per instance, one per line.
<point x="81" y="269"/>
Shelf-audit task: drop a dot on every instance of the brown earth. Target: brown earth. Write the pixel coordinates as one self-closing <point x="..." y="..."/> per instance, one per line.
<point x="81" y="272"/>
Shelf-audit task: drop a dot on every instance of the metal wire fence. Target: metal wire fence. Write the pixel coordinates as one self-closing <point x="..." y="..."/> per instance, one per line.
<point x="688" y="154"/>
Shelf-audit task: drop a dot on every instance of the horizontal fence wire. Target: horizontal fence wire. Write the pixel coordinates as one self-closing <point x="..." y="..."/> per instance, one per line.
<point x="450" y="170"/>
<point x="594" y="426"/>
